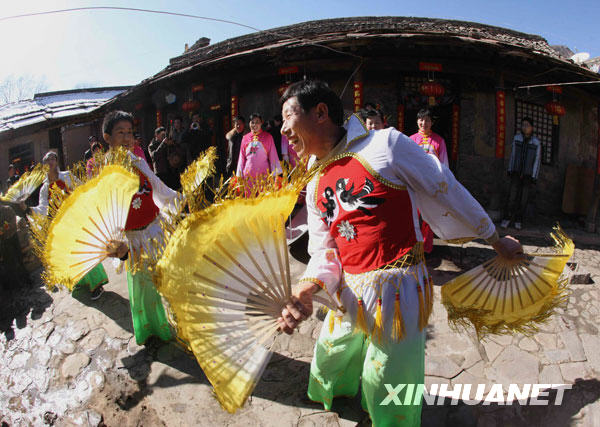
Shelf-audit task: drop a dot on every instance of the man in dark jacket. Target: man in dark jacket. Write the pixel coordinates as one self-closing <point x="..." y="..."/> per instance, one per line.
<point x="168" y="157"/>
<point x="197" y="138"/>
<point x="234" y="141"/>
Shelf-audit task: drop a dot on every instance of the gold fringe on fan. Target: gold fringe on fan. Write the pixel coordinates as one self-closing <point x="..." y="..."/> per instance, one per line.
<point x="193" y="178"/>
<point x="331" y="321"/>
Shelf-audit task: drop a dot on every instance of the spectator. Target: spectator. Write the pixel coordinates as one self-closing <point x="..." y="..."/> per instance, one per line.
<point x="234" y="141"/>
<point x="169" y="159"/>
<point x="88" y="153"/>
<point x="275" y="131"/>
<point x="373" y="119"/>
<point x="159" y="136"/>
<point x="257" y="153"/>
<point x="177" y="130"/>
<point x="197" y="138"/>
<point x="12" y="176"/>
<point x="90" y="166"/>
<point x="523" y="169"/>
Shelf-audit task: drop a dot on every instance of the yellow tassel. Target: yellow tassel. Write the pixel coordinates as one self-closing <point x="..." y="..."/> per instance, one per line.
<point x="331" y="321"/>
<point x="361" y="323"/>
<point x="422" y="320"/>
<point x="398" y="324"/>
<point x="378" y="327"/>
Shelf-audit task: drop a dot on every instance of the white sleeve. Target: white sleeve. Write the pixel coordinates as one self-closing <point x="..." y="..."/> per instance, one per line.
<point x="164" y="197"/>
<point x="42" y="207"/>
<point x="324" y="267"/>
<point x="443" y="202"/>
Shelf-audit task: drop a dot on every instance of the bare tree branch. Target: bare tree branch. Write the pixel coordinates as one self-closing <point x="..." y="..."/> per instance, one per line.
<point x="17" y="88"/>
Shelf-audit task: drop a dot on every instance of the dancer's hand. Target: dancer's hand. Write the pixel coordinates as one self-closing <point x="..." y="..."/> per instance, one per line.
<point x="299" y="308"/>
<point x="509" y="248"/>
<point x="117" y="249"/>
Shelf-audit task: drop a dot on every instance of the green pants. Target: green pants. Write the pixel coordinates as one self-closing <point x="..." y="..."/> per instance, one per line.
<point x="147" y="310"/>
<point x="94" y="278"/>
<point x="342" y="358"/>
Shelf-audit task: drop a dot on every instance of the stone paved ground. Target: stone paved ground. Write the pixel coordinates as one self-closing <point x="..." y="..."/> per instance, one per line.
<point x="68" y="361"/>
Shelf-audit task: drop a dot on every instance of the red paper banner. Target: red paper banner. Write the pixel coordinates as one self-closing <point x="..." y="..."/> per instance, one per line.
<point x="358" y="95"/>
<point x="158" y="118"/>
<point x="455" y="128"/>
<point x="400" y="116"/>
<point x="288" y="70"/>
<point x="430" y="66"/>
<point x="500" y="124"/>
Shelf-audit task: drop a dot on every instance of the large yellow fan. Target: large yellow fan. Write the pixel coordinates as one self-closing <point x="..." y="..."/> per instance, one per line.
<point x="26" y="184"/>
<point x="501" y="296"/>
<point x="225" y="274"/>
<point x="87" y="220"/>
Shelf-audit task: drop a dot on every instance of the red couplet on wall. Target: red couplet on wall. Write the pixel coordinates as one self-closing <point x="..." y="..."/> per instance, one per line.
<point x="400" y="117"/>
<point x="500" y="123"/>
<point x="158" y="118"/>
<point x="358" y="95"/>
<point x="455" y="128"/>
<point x="234" y="106"/>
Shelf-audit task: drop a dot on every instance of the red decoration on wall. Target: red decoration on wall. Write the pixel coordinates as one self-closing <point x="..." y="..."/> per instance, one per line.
<point x="556" y="109"/>
<point x="158" y="118"/>
<point x="189" y="106"/>
<point x="198" y="87"/>
<point x="430" y="66"/>
<point x="358" y="96"/>
<point x="500" y="123"/>
<point x="554" y="89"/>
<point x="400" y="117"/>
<point x="432" y="90"/>
<point x="234" y="106"/>
<point x="455" y="129"/>
<point x="215" y="107"/>
<point x="288" y="70"/>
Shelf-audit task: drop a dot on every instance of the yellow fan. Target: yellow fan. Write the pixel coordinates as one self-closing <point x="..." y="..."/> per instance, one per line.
<point x="26" y="184"/>
<point x="225" y="275"/>
<point x="501" y="296"/>
<point x="87" y="220"/>
<point x="197" y="172"/>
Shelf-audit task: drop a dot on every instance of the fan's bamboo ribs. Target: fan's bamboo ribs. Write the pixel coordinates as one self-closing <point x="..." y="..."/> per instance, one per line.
<point x="103" y="222"/>
<point x="101" y="257"/>
<point x="94" y="236"/>
<point x="229" y="289"/>
<point x="546" y="268"/>
<point x="98" y="228"/>
<point x="524" y="285"/>
<point x="288" y="289"/>
<point x="276" y="288"/>
<point x="229" y="273"/>
<point x="90" y="244"/>
<point x="88" y="252"/>
<point x="257" y="266"/>
<point x="241" y="267"/>
<point x="240" y="305"/>
<point x="274" y="235"/>
<point x="461" y="287"/>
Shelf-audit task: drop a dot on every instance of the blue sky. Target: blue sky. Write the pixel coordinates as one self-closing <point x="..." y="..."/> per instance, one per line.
<point x="106" y="48"/>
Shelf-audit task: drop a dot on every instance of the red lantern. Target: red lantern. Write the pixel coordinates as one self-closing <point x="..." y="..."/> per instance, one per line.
<point x="189" y="106"/>
<point x="556" y="109"/>
<point x="432" y="90"/>
<point x="554" y="89"/>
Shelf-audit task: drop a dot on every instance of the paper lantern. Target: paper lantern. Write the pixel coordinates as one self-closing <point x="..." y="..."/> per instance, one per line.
<point x="432" y="90"/>
<point x="556" y="109"/>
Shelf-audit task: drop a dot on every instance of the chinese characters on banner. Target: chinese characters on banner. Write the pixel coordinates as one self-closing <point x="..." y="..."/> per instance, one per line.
<point x="400" y="125"/>
<point x="234" y="106"/>
<point x="500" y="123"/>
<point x="358" y="94"/>
<point x="455" y="127"/>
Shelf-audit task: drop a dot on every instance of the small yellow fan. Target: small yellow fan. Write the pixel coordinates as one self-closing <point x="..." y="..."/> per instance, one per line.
<point x="225" y="274"/>
<point x="87" y="220"/>
<point x="501" y="296"/>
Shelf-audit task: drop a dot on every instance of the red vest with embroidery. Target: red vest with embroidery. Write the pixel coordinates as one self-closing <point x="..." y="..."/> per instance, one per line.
<point x="60" y="184"/>
<point x="142" y="210"/>
<point x="371" y="222"/>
